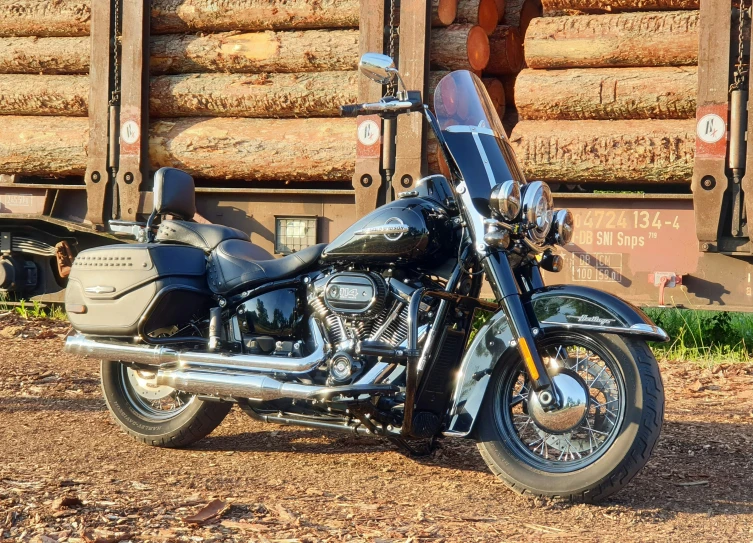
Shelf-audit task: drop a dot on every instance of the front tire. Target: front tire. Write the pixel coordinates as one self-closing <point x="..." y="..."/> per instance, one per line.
<point x="601" y="454"/>
<point x="157" y="415"/>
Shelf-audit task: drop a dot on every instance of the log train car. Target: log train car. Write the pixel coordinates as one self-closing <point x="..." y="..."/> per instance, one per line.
<point x="635" y="111"/>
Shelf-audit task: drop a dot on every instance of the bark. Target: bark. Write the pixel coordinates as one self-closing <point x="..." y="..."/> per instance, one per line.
<point x="178" y="16"/>
<point x="506" y="55"/>
<point x="653" y="151"/>
<point x="608" y="93"/>
<point x="44" y="55"/>
<point x="618" y="5"/>
<point x="264" y="95"/>
<point x="478" y="12"/>
<point x="44" y="95"/>
<point x="519" y="13"/>
<point x="43" y="145"/>
<point x="304" y="51"/>
<point x="44" y="18"/>
<point x="496" y="91"/>
<point x="255" y="149"/>
<point x="628" y="39"/>
<point x="459" y="47"/>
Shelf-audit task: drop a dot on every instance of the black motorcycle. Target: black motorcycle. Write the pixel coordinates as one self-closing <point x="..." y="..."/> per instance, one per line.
<point x="381" y="332"/>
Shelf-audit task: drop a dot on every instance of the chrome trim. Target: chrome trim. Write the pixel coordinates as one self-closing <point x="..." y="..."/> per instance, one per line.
<point x="165" y="357"/>
<point x="640" y="329"/>
<point x="465" y="129"/>
<point x="484" y="158"/>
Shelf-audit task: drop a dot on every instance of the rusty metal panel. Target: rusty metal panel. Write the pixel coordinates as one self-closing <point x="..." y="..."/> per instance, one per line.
<point x="133" y="165"/>
<point x="29" y="201"/>
<point x="97" y="173"/>
<point x="709" y="178"/>
<point x="367" y="178"/>
<point x="415" y="29"/>
<point x="623" y="243"/>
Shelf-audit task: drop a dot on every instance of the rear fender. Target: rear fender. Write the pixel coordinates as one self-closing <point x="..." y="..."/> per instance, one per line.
<point x="557" y="308"/>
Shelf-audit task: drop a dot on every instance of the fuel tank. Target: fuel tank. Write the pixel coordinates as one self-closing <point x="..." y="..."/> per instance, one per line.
<point x="408" y="230"/>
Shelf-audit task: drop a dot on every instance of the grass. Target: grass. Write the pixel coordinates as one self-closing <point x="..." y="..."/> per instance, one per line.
<point x="706" y="337"/>
<point x="32" y="310"/>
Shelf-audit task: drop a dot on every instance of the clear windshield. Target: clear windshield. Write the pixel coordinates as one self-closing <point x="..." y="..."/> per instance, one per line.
<point x="461" y="99"/>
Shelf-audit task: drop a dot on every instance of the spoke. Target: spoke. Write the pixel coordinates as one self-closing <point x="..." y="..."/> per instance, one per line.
<point x="597" y="376"/>
<point x="569" y="445"/>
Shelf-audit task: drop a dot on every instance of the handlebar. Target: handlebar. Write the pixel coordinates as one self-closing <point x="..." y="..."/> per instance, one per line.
<point x="380" y="108"/>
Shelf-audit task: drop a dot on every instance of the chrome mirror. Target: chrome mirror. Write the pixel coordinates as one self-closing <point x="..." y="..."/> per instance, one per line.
<point x="379" y="68"/>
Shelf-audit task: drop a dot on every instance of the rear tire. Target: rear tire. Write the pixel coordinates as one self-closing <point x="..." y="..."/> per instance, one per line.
<point x="585" y="476"/>
<point x="137" y="407"/>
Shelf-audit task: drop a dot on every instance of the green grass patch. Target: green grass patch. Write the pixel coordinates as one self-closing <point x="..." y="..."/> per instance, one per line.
<point x="707" y="337"/>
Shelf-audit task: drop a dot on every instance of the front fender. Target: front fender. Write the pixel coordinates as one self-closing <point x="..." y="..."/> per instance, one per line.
<point x="569" y="307"/>
<point x="561" y="307"/>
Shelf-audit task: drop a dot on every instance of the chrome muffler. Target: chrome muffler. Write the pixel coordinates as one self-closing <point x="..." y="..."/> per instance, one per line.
<point x="167" y="358"/>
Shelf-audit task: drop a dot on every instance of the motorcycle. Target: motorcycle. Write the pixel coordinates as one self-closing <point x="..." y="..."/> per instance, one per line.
<point x="382" y="332"/>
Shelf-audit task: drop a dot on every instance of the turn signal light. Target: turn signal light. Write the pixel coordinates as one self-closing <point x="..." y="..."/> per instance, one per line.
<point x="528" y="359"/>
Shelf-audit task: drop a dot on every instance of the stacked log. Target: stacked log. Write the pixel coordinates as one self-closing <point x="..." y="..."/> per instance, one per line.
<point x="240" y="89"/>
<point x="609" y="98"/>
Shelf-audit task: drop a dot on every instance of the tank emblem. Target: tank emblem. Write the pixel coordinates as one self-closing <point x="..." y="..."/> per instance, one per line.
<point x="99" y="290"/>
<point x="393" y="229"/>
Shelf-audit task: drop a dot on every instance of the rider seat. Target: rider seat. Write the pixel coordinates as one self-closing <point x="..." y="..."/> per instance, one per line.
<point x="234" y="264"/>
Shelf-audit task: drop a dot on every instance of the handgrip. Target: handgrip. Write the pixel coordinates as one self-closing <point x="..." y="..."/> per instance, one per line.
<point x="351" y="110"/>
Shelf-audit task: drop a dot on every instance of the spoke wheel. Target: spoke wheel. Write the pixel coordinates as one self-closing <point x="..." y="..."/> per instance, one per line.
<point x="153" y="401"/>
<point x="586" y="442"/>
<point x="595" y="446"/>
<point x="155" y="414"/>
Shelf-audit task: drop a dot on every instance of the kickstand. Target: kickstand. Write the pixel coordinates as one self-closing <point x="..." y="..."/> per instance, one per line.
<point x="425" y="448"/>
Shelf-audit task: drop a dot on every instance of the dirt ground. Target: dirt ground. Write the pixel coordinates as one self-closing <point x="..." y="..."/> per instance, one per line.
<point x="58" y="446"/>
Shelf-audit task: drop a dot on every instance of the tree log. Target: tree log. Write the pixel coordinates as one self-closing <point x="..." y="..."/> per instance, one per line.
<point x="459" y="47"/>
<point x="179" y="16"/>
<point x="509" y="83"/>
<point x="43" y="145"/>
<point x="264" y="95"/>
<point x="497" y="94"/>
<point x="618" y="5"/>
<point x="304" y="51"/>
<point x="478" y="12"/>
<point x="44" y="55"/>
<point x="44" y="95"/>
<point x="506" y="56"/>
<point x="600" y="151"/>
<point x="629" y="39"/>
<point x="44" y="17"/>
<point x="608" y="93"/>
<point x="520" y="13"/>
<point x="256" y="149"/>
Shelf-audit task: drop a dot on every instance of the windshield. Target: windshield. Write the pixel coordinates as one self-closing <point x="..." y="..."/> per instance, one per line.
<point x="475" y="137"/>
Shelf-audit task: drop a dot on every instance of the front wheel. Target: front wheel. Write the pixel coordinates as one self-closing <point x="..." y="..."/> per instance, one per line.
<point x="594" y="449"/>
<point x="156" y="414"/>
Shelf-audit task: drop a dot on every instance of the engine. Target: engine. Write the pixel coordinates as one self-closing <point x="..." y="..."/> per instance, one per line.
<point x="358" y="306"/>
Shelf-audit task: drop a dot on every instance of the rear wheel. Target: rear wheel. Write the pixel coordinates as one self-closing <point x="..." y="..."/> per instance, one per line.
<point x="589" y="452"/>
<point x="155" y="414"/>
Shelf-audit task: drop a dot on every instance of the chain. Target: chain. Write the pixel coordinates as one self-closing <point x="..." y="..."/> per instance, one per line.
<point x="392" y="88"/>
<point x="115" y="96"/>
<point x="742" y="69"/>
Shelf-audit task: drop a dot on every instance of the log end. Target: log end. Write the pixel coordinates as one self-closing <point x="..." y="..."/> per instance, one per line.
<point x="488" y="16"/>
<point x="478" y="48"/>
<point x="447" y="10"/>
<point x="506" y="51"/>
<point x="496" y="91"/>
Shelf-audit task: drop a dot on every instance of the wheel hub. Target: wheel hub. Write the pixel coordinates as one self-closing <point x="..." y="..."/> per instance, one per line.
<point x="573" y="395"/>
<point x="144" y="384"/>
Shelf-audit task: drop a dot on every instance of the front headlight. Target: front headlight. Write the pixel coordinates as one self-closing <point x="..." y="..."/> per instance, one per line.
<point x="563" y="226"/>
<point x="505" y="200"/>
<point x="537" y="210"/>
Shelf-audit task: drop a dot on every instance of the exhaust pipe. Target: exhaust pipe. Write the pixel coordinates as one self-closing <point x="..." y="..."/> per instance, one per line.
<point x="237" y="385"/>
<point x="165" y="357"/>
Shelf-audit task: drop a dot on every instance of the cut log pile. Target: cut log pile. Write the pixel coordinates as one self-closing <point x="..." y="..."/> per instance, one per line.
<point x="609" y="92"/>
<point x="235" y="83"/>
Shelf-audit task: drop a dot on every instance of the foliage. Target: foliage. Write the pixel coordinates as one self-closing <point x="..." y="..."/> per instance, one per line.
<point x="37" y="310"/>
<point x="706" y="336"/>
